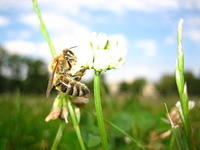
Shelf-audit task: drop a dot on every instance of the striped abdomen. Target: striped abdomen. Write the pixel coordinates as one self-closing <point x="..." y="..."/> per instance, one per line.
<point x="72" y="87"/>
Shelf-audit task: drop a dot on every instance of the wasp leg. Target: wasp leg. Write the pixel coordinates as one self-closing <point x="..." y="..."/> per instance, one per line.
<point x="78" y="75"/>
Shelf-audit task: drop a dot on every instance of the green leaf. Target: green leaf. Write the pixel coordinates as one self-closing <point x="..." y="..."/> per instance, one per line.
<point x="93" y="140"/>
<point x="122" y="120"/>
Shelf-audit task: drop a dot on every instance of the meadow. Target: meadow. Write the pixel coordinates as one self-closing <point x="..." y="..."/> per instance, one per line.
<point x="125" y="120"/>
<point x="22" y="124"/>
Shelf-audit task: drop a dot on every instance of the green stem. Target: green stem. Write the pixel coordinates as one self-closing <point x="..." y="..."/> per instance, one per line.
<point x="58" y="136"/>
<point x="43" y="28"/>
<point x="182" y="88"/>
<point x="99" y="112"/>
<point x="76" y="125"/>
<point x="126" y="134"/>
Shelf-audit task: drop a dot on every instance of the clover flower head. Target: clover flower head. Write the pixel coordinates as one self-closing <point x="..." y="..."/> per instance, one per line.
<point x="191" y="106"/>
<point x="102" y="52"/>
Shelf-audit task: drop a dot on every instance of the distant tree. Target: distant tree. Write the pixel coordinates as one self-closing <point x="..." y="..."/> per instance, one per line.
<point x="3" y="58"/>
<point x="37" y="77"/>
<point x="193" y="84"/>
<point x="3" y="80"/>
<point x="167" y="85"/>
<point x="124" y="87"/>
<point x="3" y="84"/>
<point x="138" y="85"/>
<point x="134" y="88"/>
<point x="24" y="74"/>
<point x="16" y="66"/>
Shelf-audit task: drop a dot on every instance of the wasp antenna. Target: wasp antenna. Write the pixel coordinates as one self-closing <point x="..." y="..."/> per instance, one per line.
<point x="73" y="47"/>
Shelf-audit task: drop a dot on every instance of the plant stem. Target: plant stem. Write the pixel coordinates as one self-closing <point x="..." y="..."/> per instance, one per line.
<point x="76" y="125"/>
<point x="181" y="81"/>
<point x="182" y="90"/>
<point x="181" y="85"/>
<point x="58" y="136"/>
<point x="43" y="28"/>
<point x="99" y="112"/>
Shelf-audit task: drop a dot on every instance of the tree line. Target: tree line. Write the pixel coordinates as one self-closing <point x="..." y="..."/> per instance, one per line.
<point x="24" y="74"/>
<point x="165" y="86"/>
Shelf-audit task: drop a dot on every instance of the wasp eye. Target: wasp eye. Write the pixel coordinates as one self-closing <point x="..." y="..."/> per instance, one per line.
<point x="70" y="53"/>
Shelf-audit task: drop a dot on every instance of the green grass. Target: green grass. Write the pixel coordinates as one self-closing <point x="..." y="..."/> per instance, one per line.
<point x="22" y="124"/>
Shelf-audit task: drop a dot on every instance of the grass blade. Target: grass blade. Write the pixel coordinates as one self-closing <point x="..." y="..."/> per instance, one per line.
<point x="43" y="28"/>
<point x="126" y="134"/>
<point x="76" y="125"/>
<point x="181" y="85"/>
<point x="58" y="136"/>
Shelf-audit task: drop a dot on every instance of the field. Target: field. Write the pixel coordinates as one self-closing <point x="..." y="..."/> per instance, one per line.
<point x="139" y="115"/>
<point x="22" y="124"/>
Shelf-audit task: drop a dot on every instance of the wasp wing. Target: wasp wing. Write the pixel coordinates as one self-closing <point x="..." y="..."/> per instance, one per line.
<point x="50" y="82"/>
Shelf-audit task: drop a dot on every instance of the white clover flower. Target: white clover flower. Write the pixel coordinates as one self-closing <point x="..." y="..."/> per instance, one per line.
<point x="101" y="52"/>
<point x="191" y="106"/>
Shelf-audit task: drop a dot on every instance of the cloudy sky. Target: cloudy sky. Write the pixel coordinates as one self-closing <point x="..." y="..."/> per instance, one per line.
<point x="147" y="26"/>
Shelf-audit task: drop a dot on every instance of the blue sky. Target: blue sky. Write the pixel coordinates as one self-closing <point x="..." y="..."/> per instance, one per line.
<point x="147" y="26"/>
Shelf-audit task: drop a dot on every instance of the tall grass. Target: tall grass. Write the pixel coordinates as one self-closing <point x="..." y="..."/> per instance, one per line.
<point x="53" y="53"/>
<point x="183" y="96"/>
<point x="43" y="28"/>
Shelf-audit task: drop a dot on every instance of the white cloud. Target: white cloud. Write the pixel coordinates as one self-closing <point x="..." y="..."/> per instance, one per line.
<point x="28" y="48"/>
<point x="116" y="6"/>
<point x="194" y="35"/>
<point x="11" y="4"/>
<point x="149" y="47"/>
<point x="19" y="34"/>
<point x="75" y="7"/>
<point x="56" y="23"/>
<point x="170" y="40"/>
<point x="29" y="19"/>
<point x="4" y="21"/>
<point x="192" y="28"/>
<point x="190" y="4"/>
<point x="193" y="21"/>
<point x="20" y="47"/>
<point x="129" y="72"/>
<point x="64" y="32"/>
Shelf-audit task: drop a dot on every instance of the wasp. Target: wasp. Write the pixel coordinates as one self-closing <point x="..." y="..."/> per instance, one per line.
<point x="65" y="80"/>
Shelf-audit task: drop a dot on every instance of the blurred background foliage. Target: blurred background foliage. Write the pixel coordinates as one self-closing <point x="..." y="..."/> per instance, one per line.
<point x="136" y="107"/>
